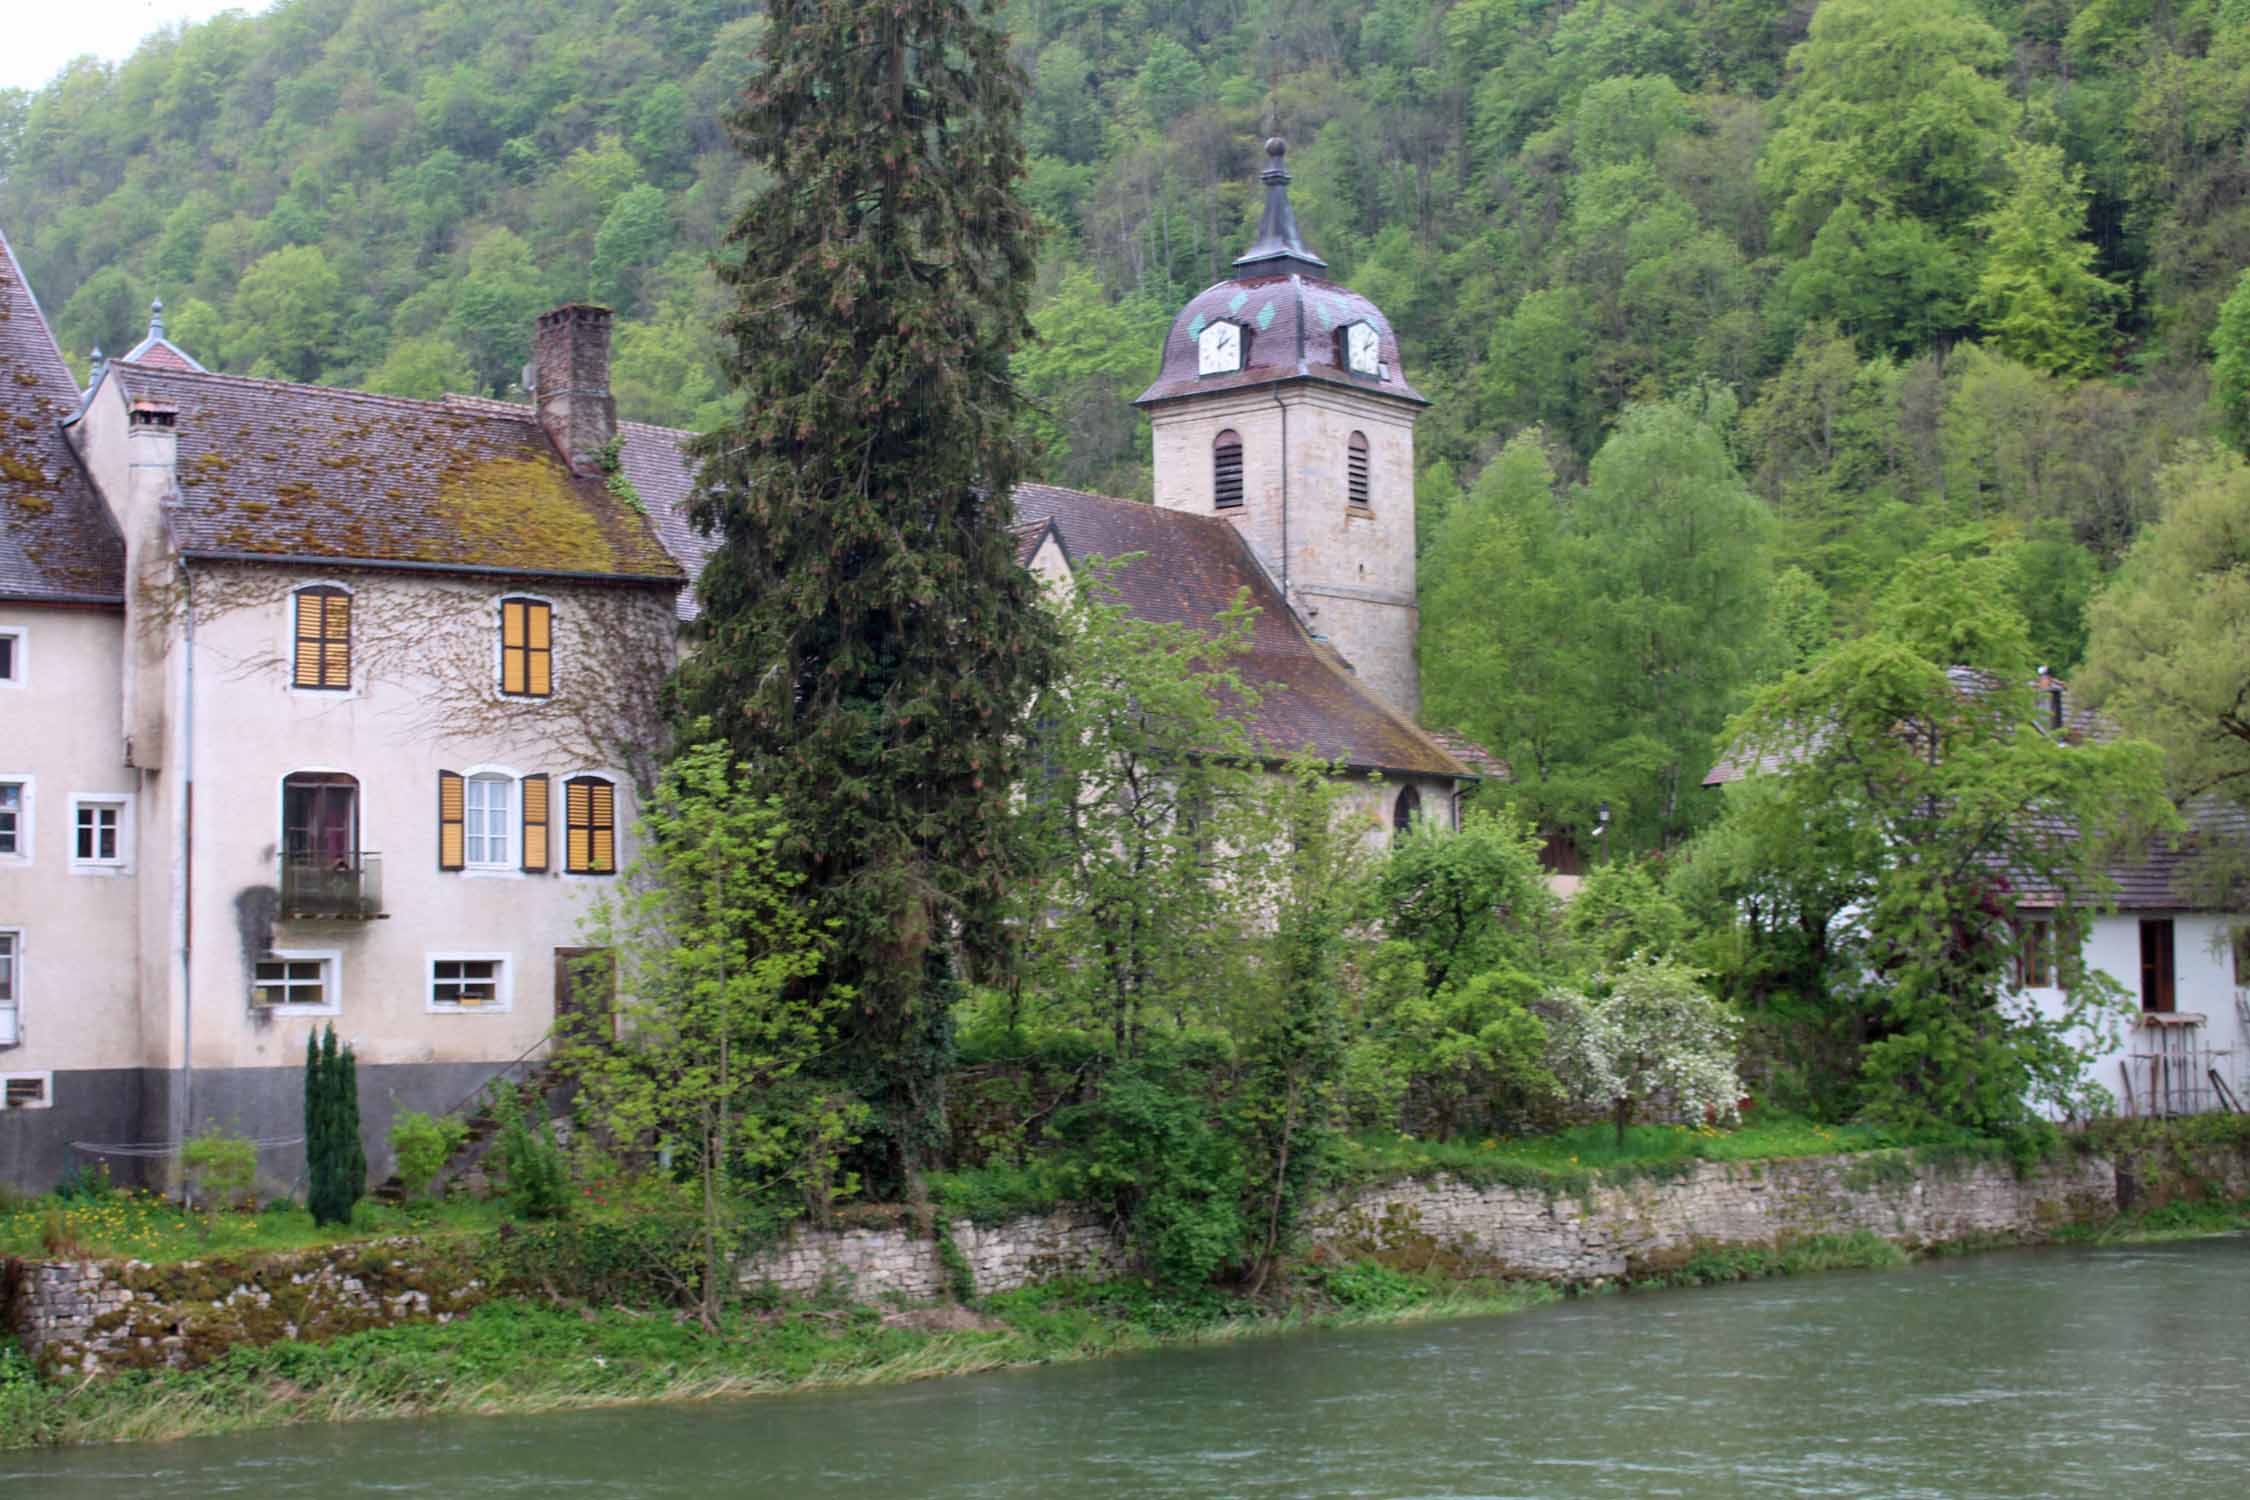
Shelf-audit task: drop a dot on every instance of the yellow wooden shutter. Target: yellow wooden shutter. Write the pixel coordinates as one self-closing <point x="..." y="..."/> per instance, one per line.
<point x="309" y="616"/>
<point x="578" y="801"/>
<point x="539" y="644"/>
<point x="336" y="642"/>
<point x="605" y="828"/>
<point x="535" y="816"/>
<point x="511" y="646"/>
<point x="452" y="821"/>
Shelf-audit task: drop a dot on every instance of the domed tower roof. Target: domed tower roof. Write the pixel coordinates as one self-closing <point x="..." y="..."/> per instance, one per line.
<point x="1293" y="318"/>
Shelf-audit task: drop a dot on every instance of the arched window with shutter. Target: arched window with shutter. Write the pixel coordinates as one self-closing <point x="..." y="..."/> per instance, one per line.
<point x="1226" y="470"/>
<point x="1358" y="493"/>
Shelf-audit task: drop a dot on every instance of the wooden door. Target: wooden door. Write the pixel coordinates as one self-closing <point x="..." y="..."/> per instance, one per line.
<point x="586" y="994"/>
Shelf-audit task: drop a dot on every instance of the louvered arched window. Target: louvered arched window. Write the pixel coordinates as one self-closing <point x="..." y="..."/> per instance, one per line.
<point x="1226" y="470"/>
<point x="1357" y="490"/>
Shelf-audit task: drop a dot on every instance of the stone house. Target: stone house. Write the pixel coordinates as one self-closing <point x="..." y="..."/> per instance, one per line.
<point x="320" y="707"/>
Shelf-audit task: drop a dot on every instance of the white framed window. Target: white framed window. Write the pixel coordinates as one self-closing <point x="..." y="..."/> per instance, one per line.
<point x="471" y="982"/>
<point x="11" y="986"/>
<point x="12" y="658"/>
<point x="27" y="1091"/>
<point x="101" y="835"/>
<point x="490" y="821"/>
<point x="15" y="819"/>
<point x="300" y="981"/>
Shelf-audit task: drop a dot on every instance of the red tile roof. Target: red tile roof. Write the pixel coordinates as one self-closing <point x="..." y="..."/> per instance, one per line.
<point x="1192" y="568"/>
<point x="56" y="541"/>
<point x="268" y="468"/>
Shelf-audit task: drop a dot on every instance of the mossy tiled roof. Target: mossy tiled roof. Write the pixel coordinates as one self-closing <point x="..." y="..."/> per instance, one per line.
<point x="270" y="468"/>
<point x="56" y="543"/>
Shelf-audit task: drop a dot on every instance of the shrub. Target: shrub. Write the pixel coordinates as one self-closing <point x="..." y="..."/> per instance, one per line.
<point x="222" y="1169"/>
<point x="422" y="1146"/>
<point x="335" y="1161"/>
<point x="538" y="1184"/>
<point x="1146" y="1151"/>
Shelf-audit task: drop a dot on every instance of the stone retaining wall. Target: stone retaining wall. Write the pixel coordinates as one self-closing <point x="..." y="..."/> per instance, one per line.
<point x="868" y="1263"/>
<point x="91" y="1316"/>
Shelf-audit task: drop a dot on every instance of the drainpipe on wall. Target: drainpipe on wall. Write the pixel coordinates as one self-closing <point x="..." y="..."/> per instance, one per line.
<point x="183" y="910"/>
<point x="1284" y="406"/>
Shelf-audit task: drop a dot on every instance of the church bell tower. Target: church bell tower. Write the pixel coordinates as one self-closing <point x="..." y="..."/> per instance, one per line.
<point x="1283" y="408"/>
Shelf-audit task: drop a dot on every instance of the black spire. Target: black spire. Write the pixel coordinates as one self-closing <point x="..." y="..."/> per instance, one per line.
<point x="1280" y="250"/>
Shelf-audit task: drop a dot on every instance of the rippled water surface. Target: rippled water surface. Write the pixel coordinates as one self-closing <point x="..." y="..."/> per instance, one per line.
<point x="2114" y="1373"/>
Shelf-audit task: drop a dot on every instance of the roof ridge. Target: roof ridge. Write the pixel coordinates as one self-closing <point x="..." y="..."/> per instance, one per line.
<point x="263" y="383"/>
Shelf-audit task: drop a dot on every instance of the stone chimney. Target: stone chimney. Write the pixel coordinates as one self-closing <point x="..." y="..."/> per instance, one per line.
<point x="152" y="452"/>
<point x="570" y="383"/>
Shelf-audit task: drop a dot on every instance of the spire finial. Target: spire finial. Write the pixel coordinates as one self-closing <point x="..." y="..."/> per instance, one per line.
<point x="1280" y="249"/>
<point x="156" y="318"/>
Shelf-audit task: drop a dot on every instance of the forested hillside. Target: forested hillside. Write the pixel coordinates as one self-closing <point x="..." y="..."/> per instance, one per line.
<point x="1727" y="306"/>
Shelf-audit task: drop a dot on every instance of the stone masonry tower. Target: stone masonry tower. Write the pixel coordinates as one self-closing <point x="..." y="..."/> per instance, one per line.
<point x="1282" y="406"/>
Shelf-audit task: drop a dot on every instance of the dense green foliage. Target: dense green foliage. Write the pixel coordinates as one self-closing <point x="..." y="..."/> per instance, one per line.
<point x="335" y="1160"/>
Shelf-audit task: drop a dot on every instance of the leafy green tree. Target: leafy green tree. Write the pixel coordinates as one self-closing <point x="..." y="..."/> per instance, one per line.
<point x="2038" y="297"/>
<point x="1896" y="105"/>
<point x="425" y="367"/>
<point x="1893" y="283"/>
<point x="493" y="306"/>
<point x="1504" y="634"/>
<point x="1916" y="759"/>
<point x="713" y="951"/>
<point x="1676" y="560"/>
<point x="2169" y="654"/>
<point x="286" y="313"/>
<point x="1090" y="358"/>
<point x="634" y="236"/>
<point x="2230" y="365"/>
<point x="867" y="642"/>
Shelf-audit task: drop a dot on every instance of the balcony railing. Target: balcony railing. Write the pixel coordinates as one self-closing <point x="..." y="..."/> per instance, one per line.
<point x="334" y="887"/>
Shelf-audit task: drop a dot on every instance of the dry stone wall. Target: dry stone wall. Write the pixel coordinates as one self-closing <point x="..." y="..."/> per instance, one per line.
<point x="899" y="1262"/>
<point x="1648" y="1226"/>
<point x="93" y="1316"/>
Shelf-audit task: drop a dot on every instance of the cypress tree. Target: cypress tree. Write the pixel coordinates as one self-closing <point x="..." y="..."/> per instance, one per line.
<point x="335" y="1162"/>
<point x="868" y="645"/>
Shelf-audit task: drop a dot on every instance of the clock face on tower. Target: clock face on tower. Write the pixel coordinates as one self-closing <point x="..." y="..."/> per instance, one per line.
<point x="1362" y="348"/>
<point x="1218" y="349"/>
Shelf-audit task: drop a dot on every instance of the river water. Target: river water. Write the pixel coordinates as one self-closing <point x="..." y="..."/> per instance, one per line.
<point x="2120" y="1373"/>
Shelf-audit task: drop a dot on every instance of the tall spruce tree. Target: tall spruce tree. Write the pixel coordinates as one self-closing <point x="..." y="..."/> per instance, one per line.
<point x="868" y="645"/>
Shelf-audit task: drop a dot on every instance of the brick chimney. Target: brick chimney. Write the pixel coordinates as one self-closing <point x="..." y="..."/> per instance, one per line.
<point x="570" y="383"/>
<point x="152" y="452"/>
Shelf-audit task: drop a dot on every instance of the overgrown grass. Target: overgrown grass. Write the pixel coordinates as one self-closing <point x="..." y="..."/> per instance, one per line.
<point x="1861" y="1250"/>
<point x="148" y="1226"/>
<point x="521" y="1357"/>
<point x="2174" y="1221"/>
<point x="1574" y="1160"/>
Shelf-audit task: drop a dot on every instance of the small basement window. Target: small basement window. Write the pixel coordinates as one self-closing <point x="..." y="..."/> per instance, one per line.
<point x="469" y="983"/>
<point x="26" y="1090"/>
<point x="296" y="981"/>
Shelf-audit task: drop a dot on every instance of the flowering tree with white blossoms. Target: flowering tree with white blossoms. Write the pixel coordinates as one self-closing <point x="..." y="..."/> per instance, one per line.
<point x="1657" y="1032"/>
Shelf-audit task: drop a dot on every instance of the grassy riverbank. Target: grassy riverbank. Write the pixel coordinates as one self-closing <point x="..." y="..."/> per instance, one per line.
<point x="519" y="1357"/>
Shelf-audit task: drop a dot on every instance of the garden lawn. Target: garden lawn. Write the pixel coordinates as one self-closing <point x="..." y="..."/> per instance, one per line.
<point x="122" y="1224"/>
